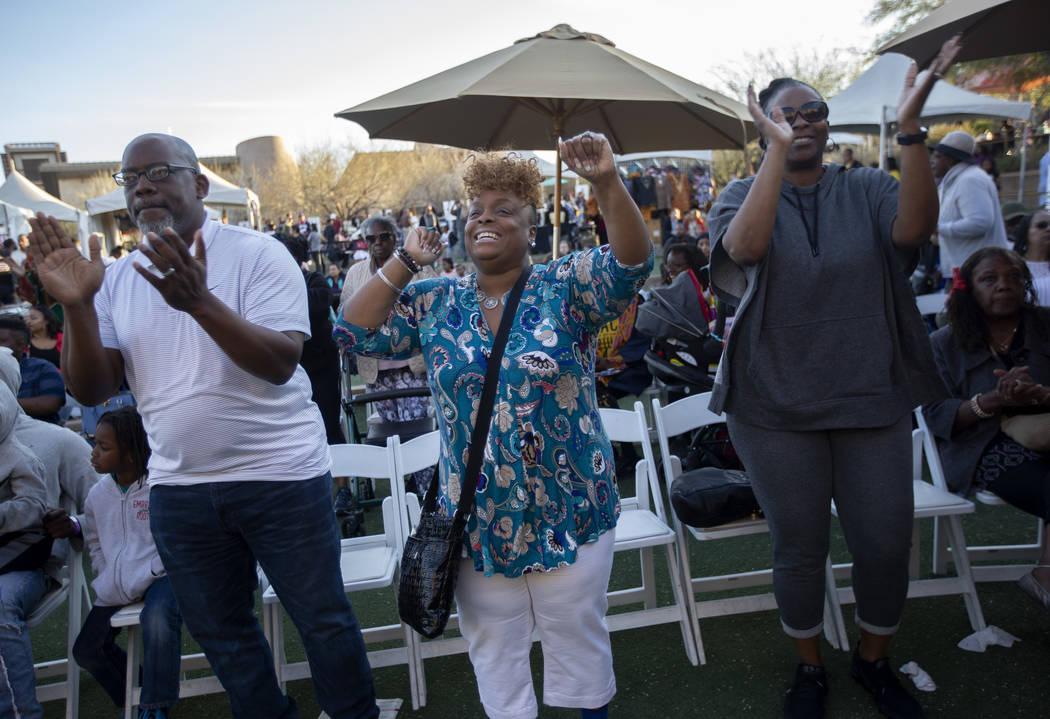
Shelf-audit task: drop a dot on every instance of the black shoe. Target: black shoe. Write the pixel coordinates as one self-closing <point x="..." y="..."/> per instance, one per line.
<point x="805" y="698"/>
<point x="344" y="501"/>
<point x="878" y="677"/>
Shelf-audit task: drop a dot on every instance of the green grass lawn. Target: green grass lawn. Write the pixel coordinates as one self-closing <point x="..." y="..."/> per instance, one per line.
<point x="749" y="659"/>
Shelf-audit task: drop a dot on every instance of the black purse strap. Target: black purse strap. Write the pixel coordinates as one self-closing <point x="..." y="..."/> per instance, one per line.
<point x="480" y="433"/>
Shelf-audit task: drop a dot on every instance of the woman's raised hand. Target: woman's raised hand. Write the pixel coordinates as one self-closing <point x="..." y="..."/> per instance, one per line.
<point x="424" y="246"/>
<point x="913" y="97"/>
<point x="773" y="127"/>
<point x="68" y="276"/>
<point x="589" y="155"/>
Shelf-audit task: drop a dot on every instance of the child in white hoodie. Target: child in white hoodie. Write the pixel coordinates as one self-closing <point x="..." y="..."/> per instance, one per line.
<point x="127" y="570"/>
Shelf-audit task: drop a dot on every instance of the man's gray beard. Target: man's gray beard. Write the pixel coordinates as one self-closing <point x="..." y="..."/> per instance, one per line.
<point x="157" y="226"/>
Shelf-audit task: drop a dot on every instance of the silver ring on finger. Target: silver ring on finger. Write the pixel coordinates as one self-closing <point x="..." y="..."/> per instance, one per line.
<point x="168" y="272"/>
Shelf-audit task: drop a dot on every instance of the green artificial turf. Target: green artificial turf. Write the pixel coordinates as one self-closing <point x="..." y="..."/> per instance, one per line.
<point x="749" y="660"/>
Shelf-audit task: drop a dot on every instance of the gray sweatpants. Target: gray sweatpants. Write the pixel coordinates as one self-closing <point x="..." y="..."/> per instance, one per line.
<point x="868" y="473"/>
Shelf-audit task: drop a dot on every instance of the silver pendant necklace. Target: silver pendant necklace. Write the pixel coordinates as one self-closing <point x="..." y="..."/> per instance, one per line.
<point x="488" y="302"/>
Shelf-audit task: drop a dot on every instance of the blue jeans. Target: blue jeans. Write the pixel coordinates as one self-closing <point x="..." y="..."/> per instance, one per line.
<point x="97" y="652"/>
<point x="210" y="535"/>
<point x="19" y="593"/>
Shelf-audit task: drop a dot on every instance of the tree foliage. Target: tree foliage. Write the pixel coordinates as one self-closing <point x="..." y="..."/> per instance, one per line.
<point x="328" y="178"/>
<point x="828" y="72"/>
<point x="903" y="13"/>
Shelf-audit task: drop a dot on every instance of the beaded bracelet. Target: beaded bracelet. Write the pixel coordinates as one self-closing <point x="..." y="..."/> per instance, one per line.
<point x="981" y="414"/>
<point x="406" y="260"/>
<point x="380" y="274"/>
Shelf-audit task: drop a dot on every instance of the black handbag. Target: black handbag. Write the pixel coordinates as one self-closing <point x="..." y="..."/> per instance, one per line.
<point x="430" y="561"/>
<point x="709" y="497"/>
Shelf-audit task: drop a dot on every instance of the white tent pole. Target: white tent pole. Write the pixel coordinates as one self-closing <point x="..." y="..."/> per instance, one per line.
<point x="882" y="138"/>
<point x="1024" y="159"/>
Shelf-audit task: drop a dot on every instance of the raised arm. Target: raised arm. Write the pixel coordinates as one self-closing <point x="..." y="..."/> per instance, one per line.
<point x="92" y="372"/>
<point x="590" y="156"/>
<point x="370" y="306"/>
<point x="917" y="206"/>
<point x="747" y="238"/>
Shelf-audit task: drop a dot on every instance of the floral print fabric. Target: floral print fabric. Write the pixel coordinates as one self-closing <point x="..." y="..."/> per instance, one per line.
<point x="547" y="482"/>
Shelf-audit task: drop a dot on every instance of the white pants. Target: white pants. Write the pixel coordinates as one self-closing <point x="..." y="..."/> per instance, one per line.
<point x="566" y="607"/>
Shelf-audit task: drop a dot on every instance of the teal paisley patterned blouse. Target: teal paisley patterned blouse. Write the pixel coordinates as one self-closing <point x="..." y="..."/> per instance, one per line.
<point x="547" y="482"/>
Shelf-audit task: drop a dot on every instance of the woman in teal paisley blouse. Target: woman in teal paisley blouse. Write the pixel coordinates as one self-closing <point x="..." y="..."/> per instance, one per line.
<point x="541" y="538"/>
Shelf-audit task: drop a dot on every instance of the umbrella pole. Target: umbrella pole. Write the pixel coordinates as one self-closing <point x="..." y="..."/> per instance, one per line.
<point x="556" y="238"/>
<point x="882" y="139"/>
<point x="1024" y="158"/>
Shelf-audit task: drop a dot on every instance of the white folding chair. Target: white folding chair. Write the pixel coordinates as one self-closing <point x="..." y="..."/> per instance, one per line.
<point x="72" y="588"/>
<point x="417" y="454"/>
<point x="936" y="502"/>
<point x="931" y="304"/>
<point x="368" y="562"/>
<point x="643" y="525"/>
<point x="686" y="416"/>
<point x="1025" y="554"/>
<point x="128" y="618"/>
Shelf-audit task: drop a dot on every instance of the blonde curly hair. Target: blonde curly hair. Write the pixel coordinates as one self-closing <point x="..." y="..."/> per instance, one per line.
<point x="506" y="172"/>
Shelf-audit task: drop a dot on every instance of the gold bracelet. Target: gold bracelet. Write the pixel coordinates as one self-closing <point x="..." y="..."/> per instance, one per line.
<point x="391" y="285"/>
<point x="976" y="407"/>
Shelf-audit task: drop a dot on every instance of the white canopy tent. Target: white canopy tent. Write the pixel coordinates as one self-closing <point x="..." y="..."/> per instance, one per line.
<point x="869" y="105"/>
<point x="14" y="220"/>
<point x="21" y="193"/>
<point x="221" y="192"/>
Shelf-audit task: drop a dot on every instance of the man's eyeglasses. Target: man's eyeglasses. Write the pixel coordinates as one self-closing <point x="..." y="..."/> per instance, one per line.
<point x="813" y="111"/>
<point x="153" y="173"/>
<point x="381" y="237"/>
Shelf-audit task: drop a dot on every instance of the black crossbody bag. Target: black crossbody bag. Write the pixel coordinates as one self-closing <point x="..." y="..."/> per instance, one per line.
<point x="431" y="558"/>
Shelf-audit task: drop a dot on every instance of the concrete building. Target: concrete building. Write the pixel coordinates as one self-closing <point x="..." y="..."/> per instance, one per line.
<point x="27" y="158"/>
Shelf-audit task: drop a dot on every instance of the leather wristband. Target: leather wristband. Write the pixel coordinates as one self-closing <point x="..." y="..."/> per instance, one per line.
<point x="407" y="260"/>
<point x="913" y="139"/>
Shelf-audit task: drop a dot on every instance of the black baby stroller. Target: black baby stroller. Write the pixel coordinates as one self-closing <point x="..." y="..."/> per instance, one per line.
<point x="683" y="348"/>
<point x="351" y="522"/>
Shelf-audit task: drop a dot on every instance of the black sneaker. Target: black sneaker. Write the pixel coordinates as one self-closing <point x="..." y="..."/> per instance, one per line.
<point x="805" y="698"/>
<point x="891" y="698"/>
<point x="344" y="501"/>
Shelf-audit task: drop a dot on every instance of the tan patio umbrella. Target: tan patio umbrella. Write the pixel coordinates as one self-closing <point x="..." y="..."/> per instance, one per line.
<point x="990" y="28"/>
<point x="556" y="84"/>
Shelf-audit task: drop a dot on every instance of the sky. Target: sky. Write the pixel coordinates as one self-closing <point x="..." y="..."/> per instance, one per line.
<point x="91" y="76"/>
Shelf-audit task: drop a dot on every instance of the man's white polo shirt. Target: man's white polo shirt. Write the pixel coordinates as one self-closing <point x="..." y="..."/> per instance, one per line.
<point x="207" y="419"/>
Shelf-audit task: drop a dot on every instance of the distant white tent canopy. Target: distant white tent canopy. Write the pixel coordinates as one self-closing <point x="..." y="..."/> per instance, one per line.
<point x="14" y="219"/>
<point x="859" y="108"/>
<point x="699" y="156"/>
<point x="545" y="167"/>
<point x="20" y="192"/>
<point x="869" y="104"/>
<point x="221" y="193"/>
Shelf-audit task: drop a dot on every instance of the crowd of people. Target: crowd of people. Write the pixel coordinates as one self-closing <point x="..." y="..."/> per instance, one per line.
<point x="229" y="343"/>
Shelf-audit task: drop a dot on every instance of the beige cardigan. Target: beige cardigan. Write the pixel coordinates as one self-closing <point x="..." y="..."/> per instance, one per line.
<point x="356" y="278"/>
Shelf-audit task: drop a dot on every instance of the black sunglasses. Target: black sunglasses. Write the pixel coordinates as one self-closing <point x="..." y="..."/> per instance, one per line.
<point x="382" y="236"/>
<point x="812" y="111"/>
